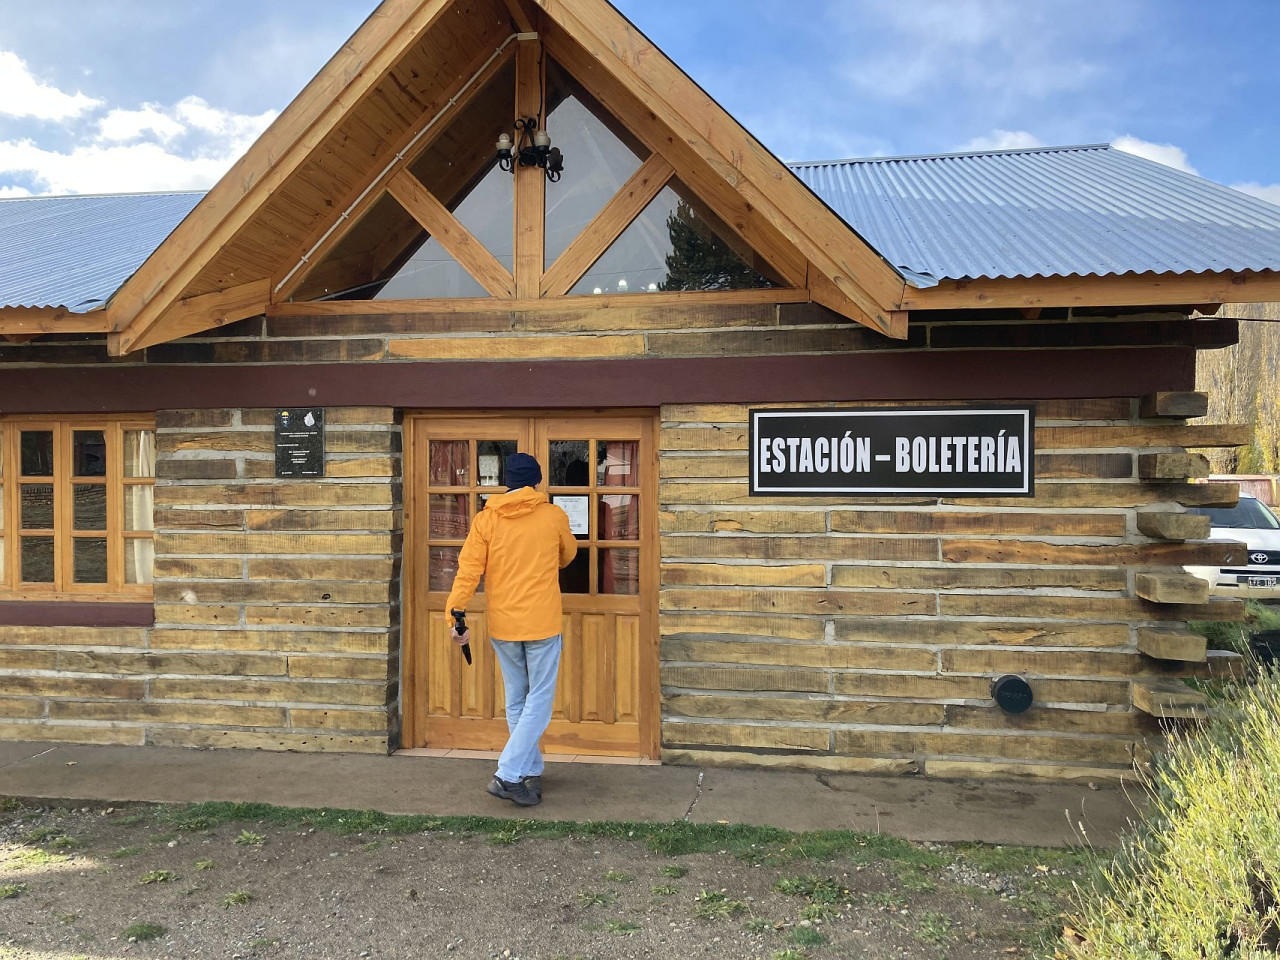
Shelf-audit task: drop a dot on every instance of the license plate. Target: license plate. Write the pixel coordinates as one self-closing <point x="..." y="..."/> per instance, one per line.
<point x="1262" y="581"/>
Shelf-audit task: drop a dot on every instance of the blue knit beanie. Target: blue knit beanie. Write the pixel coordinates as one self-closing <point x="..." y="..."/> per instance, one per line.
<point x="522" y="471"/>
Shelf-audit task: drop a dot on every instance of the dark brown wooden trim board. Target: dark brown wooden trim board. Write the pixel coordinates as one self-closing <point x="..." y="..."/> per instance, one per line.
<point x="23" y="613"/>
<point x="1040" y="374"/>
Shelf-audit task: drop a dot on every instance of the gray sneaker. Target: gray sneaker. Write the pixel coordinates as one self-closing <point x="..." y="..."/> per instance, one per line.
<point x="518" y="792"/>
<point x="534" y="784"/>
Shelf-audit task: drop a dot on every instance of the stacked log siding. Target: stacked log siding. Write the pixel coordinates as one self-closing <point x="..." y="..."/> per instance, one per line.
<point x="828" y="633"/>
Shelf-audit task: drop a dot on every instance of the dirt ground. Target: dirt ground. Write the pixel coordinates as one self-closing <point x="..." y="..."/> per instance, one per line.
<point x="232" y="881"/>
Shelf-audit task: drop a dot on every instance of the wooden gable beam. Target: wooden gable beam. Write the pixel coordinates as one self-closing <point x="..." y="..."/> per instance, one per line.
<point x="461" y="243"/>
<point x="859" y="273"/>
<point x="25" y="323"/>
<point x="530" y="182"/>
<point x="618" y="214"/>
<point x="205" y="312"/>
<point x="1127" y="290"/>
<point x="519" y="16"/>
<point x="355" y="70"/>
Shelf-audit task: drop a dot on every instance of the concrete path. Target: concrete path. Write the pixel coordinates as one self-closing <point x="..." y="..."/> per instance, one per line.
<point x="916" y="809"/>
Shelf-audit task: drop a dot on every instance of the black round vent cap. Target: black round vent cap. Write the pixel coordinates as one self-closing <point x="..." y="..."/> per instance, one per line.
<point x="1012" y="694"/>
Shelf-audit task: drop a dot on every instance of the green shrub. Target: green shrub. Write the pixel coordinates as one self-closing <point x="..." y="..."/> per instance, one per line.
<point x="1201" y="879"/>
<point x="1234" y="635"/>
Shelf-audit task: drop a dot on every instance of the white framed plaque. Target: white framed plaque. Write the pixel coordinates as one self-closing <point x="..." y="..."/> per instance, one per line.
<point x="578" y="509"/>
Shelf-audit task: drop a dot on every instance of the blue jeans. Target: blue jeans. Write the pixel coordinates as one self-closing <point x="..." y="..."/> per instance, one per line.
<point x="529" y="674"/>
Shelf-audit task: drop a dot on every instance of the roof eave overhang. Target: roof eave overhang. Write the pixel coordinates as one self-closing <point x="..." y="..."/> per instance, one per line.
<point x="1114" y="290"/>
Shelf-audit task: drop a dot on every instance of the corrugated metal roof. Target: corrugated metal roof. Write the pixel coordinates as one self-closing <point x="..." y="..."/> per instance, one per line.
<point x="75" y="252"/>
<point x="1052" y="211"/>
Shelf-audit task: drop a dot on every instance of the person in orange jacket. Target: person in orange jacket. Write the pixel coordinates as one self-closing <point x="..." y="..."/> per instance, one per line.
<point x="518" y="543"/>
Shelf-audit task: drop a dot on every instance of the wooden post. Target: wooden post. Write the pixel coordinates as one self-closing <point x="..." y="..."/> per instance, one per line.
<point x="530" y="181"/>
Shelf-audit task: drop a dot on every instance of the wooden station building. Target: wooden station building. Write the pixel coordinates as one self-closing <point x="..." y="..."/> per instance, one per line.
<point x="181" y="564"/>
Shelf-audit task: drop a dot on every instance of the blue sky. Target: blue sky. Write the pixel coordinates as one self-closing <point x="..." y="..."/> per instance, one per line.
<point x="146" y="95"/>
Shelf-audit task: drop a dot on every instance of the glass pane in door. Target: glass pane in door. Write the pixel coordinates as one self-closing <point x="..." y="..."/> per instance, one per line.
<point x="568" y="465"/>
<point x="491" y="462"/>
<point x="617" y="463"/>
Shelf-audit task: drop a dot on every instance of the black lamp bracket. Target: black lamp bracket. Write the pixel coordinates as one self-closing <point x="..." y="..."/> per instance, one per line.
<point x="530" y="148"/>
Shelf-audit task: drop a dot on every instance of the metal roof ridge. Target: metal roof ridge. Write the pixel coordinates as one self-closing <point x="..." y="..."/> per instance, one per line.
<point x="955" y="155"/>
<point x="103" y="196"/>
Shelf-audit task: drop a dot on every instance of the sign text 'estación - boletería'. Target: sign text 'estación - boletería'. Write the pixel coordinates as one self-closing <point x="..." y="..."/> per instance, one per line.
<point x="971" y="451"/>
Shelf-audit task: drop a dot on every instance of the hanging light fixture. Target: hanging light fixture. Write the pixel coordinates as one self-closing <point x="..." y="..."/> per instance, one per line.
<point x="530" y="148"/>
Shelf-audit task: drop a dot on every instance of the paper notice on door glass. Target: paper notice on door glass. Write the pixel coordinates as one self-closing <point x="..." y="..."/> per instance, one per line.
<point x="578" y="510"/>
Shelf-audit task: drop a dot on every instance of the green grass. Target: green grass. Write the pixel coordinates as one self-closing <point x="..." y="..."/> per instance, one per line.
<point x="818" y="889"/>
<point x="9" y="891"/>
<point x="806" y="937"/>
<point x="665" y="890"/>
<point x="41" y="835"/>
<point x="759" y="925"/>
<point x="237" y="899"/>
<point x="886" y="899"/>
<point x="934" y="928"/>
<point x="143" y="931"/>
<point x="818" y="911"/>
<point x="617" y="876"/>
<point x="31" y="859"/>
<point x="624" y="927"/>
<point x="124" y="853"/>
<point x="1201" y="877"/>
<point x="790" y="954"/>
<point x="714" y="905"/>
<point x="158" y="876"/>
<point x="597" y="898"/>
<point x="504" y="838"/>
<point x="64" y="843"/>
<point x="753" y="844"/>
<point x="206" y="864"/>
<point x="250" y="839"/>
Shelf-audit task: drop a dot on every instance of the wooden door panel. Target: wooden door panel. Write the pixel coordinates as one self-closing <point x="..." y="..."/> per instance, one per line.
<point x="598" y="702"/>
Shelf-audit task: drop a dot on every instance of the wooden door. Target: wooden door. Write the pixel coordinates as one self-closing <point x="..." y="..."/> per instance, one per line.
<point x="602" y="470"/>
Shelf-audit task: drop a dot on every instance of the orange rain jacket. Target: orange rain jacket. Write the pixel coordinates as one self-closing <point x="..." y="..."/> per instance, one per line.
<point x="518" y="543"/>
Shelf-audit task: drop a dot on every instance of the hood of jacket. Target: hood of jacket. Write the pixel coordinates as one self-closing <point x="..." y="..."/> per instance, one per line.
<point x="517" y="503"/>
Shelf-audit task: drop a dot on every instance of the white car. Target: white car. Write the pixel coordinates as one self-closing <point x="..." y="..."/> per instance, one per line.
<point x="1252" y="522"/>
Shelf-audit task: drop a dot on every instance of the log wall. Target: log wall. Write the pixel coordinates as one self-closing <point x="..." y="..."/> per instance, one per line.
<point x="824" y="633"/>
<point x="276" y="602"/>
<point x="865" y="634"/>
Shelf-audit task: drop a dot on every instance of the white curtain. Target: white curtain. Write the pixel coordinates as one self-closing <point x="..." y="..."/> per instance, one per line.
<point x="140" y="461"/>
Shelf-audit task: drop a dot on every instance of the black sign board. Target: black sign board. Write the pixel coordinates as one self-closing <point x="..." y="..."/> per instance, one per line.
<point x="945" y="451"/>
<point x="300" y="442"/>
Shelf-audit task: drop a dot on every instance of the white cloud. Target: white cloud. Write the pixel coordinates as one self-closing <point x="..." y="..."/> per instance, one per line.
<point x="185" y="146"/>
<point x="22" y="95"/>
<point x="14" y="191"/>
<point x="132" y="168"/>
<point x="1003" y="140"/>
<point x="122" y="126"/>
<point x="1166" y="153"/>
<point x="199" y="115"/>
<point x="1006" y="51"/>
<point x="1265" y="191"/>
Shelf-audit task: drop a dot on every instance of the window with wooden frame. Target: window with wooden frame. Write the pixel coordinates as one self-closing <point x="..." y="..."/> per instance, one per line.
<point x="76" y="507"/>
<point x="448" y="222"/>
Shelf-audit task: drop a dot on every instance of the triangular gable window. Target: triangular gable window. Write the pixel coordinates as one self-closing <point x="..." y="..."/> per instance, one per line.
<point x="445" y="226"/>
<point x="431" y="271"/>
<point x="601" y="155"/>
<point x="677" y="243"/>
<point x="389" y="255"/>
